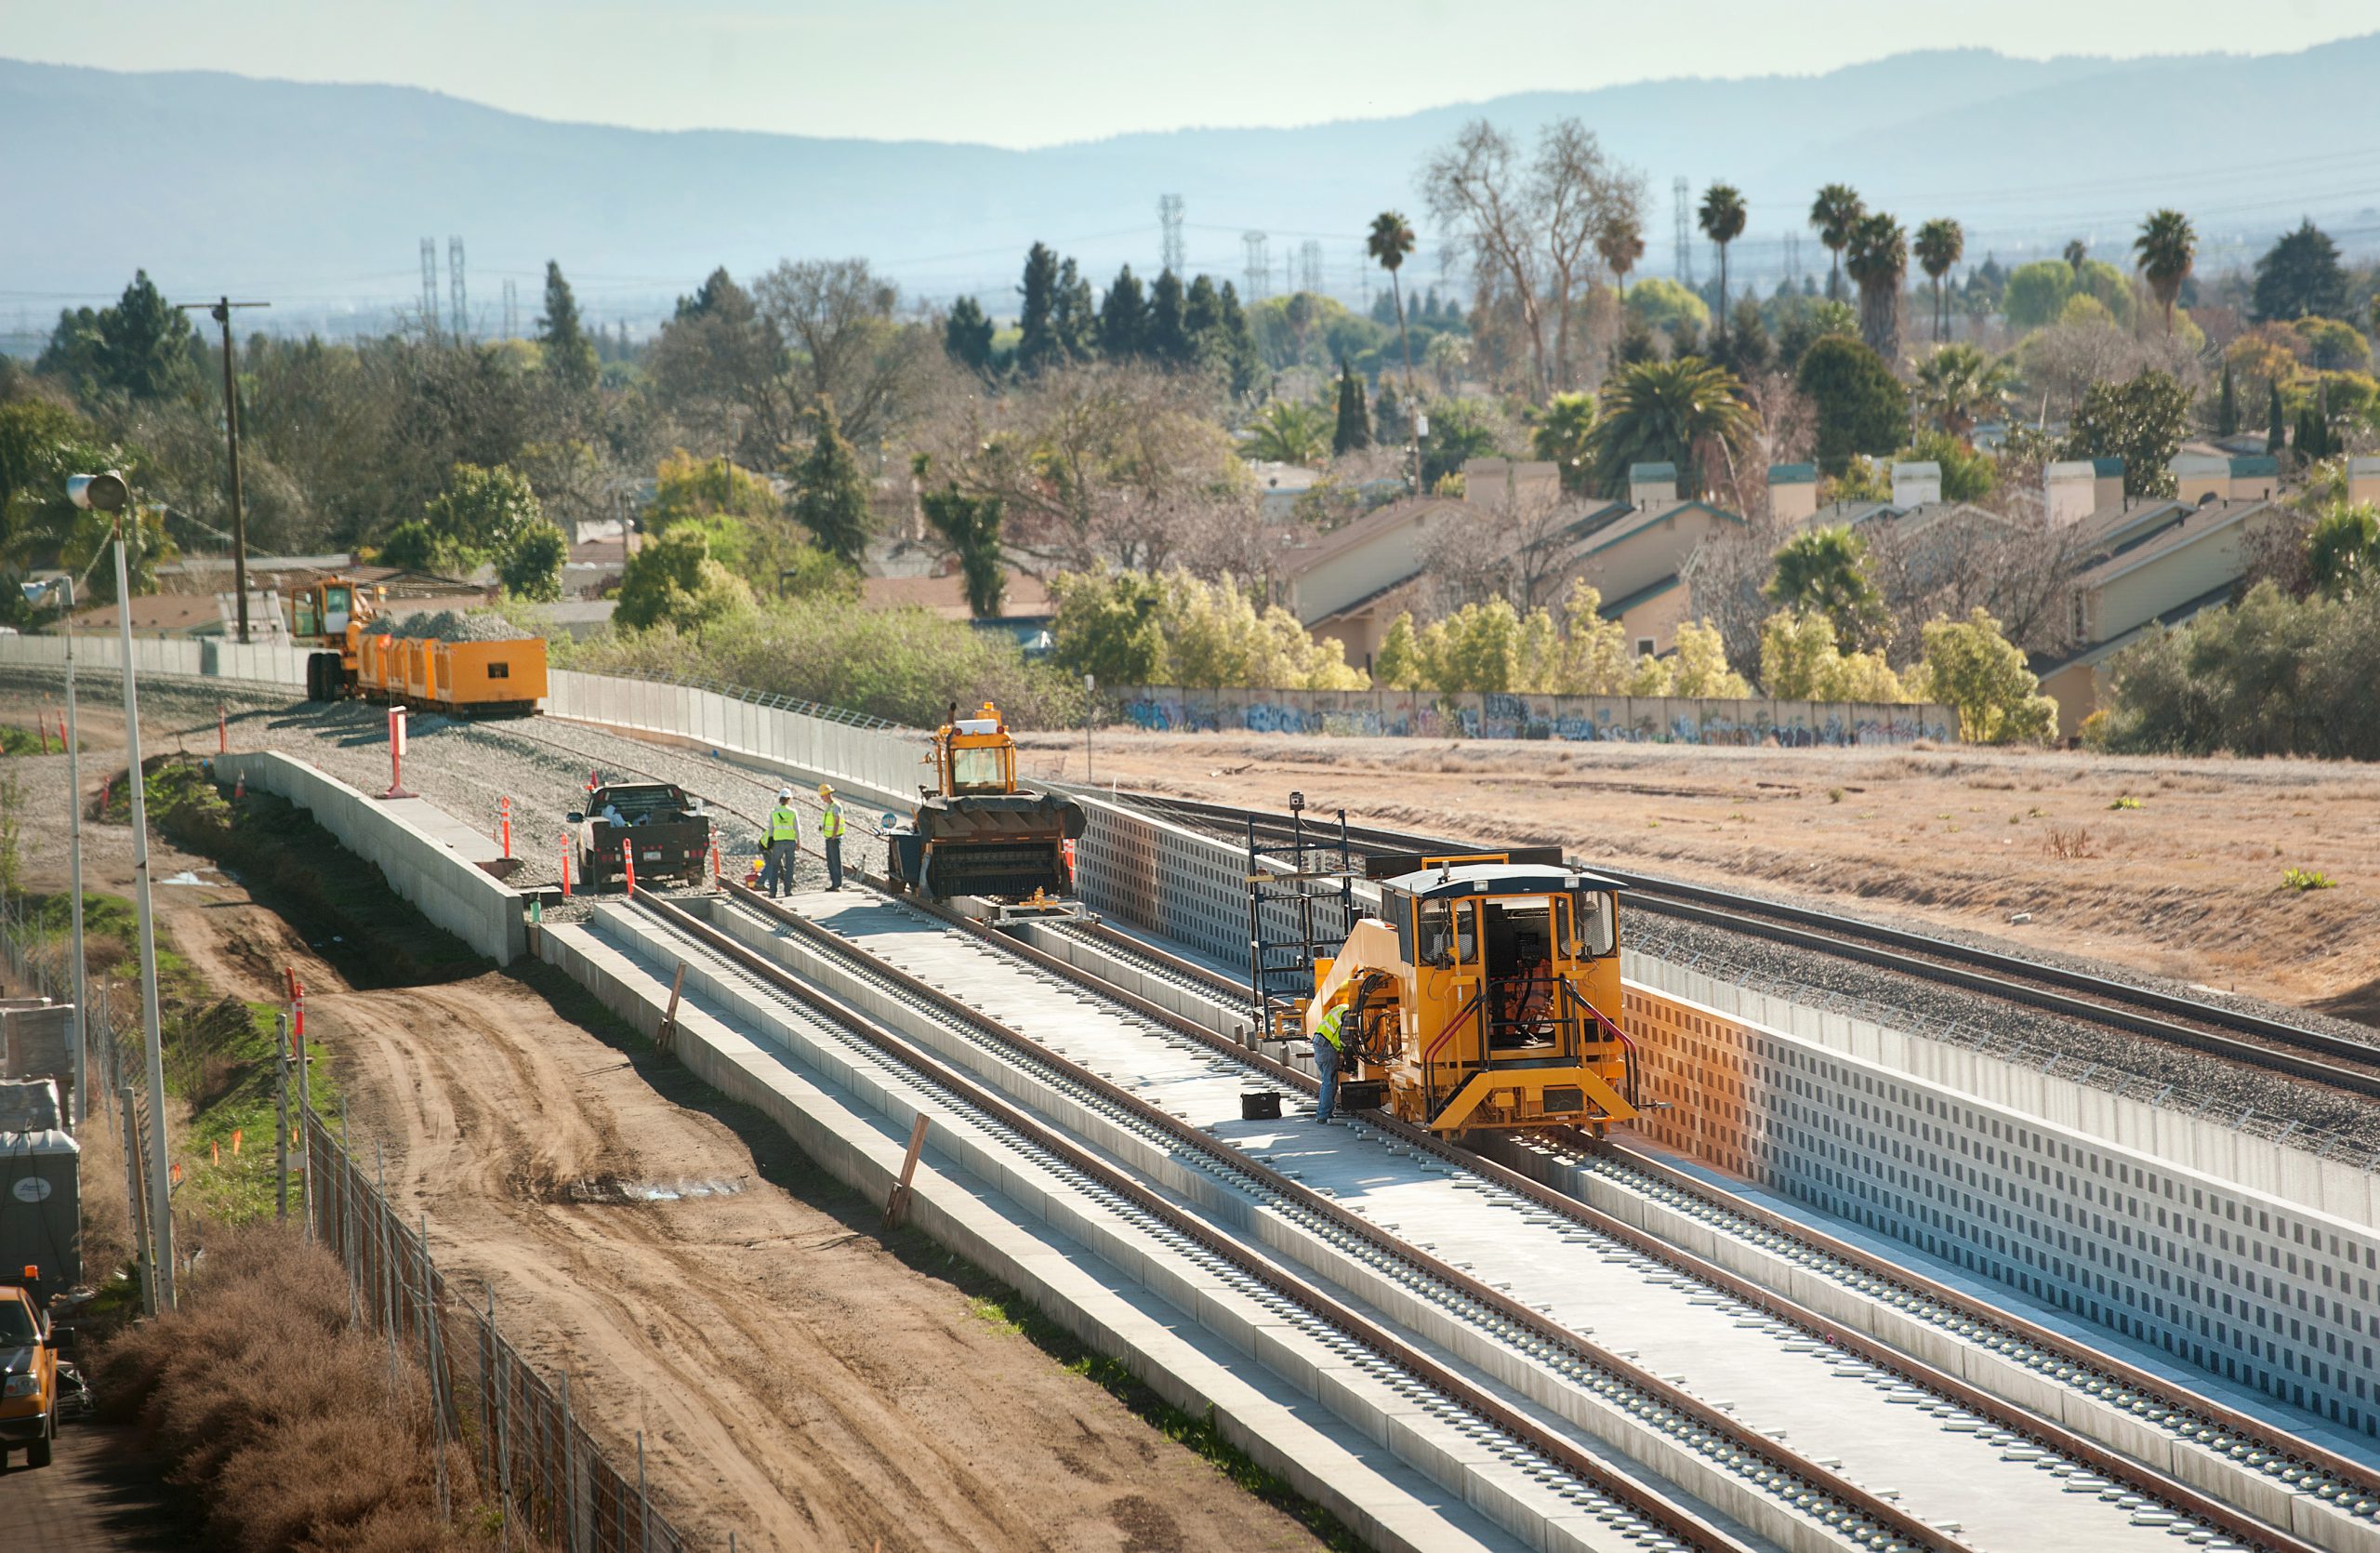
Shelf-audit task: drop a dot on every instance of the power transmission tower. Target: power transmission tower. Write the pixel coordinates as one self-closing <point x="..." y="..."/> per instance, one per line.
<point x="1310" y="266"/>
<point x="512" y="311"/>
<point x="1793" y="256"/>
<point x="429" y="288"/>
<point x="458" y="313"/>
<point x="1682" y="198"/>
<point x="1168" y="222"/>
<point x="221" y="310"/>
<point x="1260" y="266"/>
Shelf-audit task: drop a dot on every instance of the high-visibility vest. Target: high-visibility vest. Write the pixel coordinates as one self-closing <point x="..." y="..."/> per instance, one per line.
<point x="831" y="824"/>
<point x="785" y="825"/>
<point x="1327" y="1029"/>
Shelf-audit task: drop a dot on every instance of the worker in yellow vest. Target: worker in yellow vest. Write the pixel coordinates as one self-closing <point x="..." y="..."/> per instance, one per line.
<point x="782" y="842"/>
<point x="831" y="829"/>
<point x="1329" y="1056"/>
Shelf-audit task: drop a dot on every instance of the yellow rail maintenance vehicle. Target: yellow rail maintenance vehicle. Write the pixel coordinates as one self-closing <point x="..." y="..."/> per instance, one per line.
<point x="979" y="834"/>
<point x="335" y="615"/>
<point x="1483" y="991"/>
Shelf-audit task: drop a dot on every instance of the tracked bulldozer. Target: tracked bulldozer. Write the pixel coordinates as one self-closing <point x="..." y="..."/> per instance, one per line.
<point x="977" y="833"/>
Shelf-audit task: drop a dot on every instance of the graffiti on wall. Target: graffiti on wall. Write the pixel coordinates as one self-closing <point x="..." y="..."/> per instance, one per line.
<point x="1570" y="719"/>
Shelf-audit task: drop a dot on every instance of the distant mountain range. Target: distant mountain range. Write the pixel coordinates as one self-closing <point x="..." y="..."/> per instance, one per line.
<point x="318" y="196"/>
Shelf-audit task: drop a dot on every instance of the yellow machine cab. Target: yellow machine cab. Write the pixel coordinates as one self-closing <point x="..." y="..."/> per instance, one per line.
<point x="1483" y="993"/>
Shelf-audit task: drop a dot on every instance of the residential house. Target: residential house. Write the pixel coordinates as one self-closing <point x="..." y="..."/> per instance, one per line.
<point x="2152" y="563"/>
<point x="1635" y="556"/>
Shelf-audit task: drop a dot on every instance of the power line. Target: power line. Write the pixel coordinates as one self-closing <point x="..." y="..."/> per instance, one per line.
<point x="221" y="310"/>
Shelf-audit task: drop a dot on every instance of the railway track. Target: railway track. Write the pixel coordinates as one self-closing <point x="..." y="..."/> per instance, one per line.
<point x="1531" y="1222"/>
<point x="2287" y="1463"/>
<point x="2313" y="1056"/>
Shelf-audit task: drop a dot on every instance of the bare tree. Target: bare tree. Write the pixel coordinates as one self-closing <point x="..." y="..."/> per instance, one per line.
<point x="1581" y="195"/>
<point x="1515" y="547"/>
<point x="724" y="372"/>
<point x="840" y="320"/>
<point x="1478" y="186"/>
<point x="1725" y="577"/>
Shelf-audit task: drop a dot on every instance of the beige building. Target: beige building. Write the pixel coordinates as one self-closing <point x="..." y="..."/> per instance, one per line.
<point x="2158" y="563"/>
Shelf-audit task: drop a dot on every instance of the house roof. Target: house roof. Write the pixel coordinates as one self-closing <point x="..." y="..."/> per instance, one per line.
<point x="177" y="614"/>
<point x="1026" y="598"/>
<point x="2192" y="524"/>
<point x="1644" y="518"/>
<point x="1370" y="526"/>
<point x="1614" y="609"/>
<point x="1792" y="474"/>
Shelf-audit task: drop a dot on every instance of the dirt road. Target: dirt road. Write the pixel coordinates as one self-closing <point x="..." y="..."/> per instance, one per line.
<point x="2184" y="880"/>
<point x="93" y="1497"/>
<point x="796" y="1381"/>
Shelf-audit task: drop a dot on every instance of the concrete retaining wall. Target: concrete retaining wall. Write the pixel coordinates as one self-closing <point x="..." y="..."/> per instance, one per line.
<point x="877" y="761"/>
<point x="421" y="849"/>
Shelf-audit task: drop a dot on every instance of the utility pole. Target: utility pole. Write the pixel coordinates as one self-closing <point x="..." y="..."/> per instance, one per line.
<point x="1682" y="209"/>
<point x="221" y="310"/>
<point x="458" y="308"/>
<point x="1169" y="222"/>
<point x="1259" y="268"/>
<point x="429" y="288"/>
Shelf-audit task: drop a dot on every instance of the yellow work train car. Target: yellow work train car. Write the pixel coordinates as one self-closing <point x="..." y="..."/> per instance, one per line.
<point x="463" y="678"/>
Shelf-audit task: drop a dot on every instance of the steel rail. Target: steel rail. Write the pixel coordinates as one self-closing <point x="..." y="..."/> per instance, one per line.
<point x="2044" y="1430"/>
<point x="1674" y="1519"/>
<point x="1884" y="1512"/>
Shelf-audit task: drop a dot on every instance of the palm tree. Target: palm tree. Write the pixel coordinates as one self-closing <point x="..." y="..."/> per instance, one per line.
<point x="1825" y="571"/>
<point x="1622" y="243"/>
<point x="2077" y="253"/>
<point x="1959" y="386"/>
<point x="1390" y="241"/>
<point x="2168" y="247"/>
<point x="1878" y="262"/>
<point x="1723" y="222"/>
<point x="1834" y="213"/>
<point x="1565" y="436"/>
<point x="1290" y="431"/>
<point x="1941" y="244"/>
<point x="1660" y="412"/>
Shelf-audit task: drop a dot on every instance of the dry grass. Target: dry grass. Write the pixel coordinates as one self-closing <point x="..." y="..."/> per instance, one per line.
<point x="281" y="1423"/>
<point x="2067" y="841"/>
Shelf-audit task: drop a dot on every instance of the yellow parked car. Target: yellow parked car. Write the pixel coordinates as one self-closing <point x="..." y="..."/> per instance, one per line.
<point x="28" y="1379"/>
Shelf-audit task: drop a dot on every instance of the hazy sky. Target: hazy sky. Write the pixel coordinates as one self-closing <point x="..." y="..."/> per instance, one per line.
<point x="1029" y="72"/>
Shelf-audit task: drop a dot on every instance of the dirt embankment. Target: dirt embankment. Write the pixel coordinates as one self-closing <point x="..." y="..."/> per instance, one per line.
<point x="2187" y="885"/>
<point x="798" y="1379"/>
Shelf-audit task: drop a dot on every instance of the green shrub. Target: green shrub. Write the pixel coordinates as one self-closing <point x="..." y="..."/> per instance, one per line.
<point x="2307" y="879"/>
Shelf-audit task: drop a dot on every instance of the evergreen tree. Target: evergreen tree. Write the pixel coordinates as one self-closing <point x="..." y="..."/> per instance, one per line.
<point x="970" y="525"/>
<point x="830" y="495"/>
<point x="967" y="336"/>
<point x="1392" y="426"/>
<point x="1123" y="318"/>
<point x="1202" y="315"/>
<point x="2299" y="277"/>
<point x="1167" y="339"/>
<point x="1353" y="431"/>
<point x="1240" y="359"/>
<point x="2276" y="437"/>
<point x="569" y="354"/>
<point x="1074" y="315"/>
<point x="2226" y="408"/>
<point x="143" y="348"/>
<point x="1038" y="347"/>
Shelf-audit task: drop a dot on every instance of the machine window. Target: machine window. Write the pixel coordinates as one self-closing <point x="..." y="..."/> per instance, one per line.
<point x="1437" y="934"/>
<point x="1593" y="918"/>
<point x="17" y="1329"/>
<point x="978" y="770"/>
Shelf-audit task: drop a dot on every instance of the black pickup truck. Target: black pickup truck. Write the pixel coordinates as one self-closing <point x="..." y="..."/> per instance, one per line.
<point x="668" y="830"/>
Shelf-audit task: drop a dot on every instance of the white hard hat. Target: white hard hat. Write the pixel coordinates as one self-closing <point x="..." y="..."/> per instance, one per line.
<point x="786" y="793"/>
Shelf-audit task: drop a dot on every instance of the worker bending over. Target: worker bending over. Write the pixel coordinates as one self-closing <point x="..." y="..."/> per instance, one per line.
<point x="1329" y="1053"/>
<point x="831" y="829"/>
<point x="783" y="841"/>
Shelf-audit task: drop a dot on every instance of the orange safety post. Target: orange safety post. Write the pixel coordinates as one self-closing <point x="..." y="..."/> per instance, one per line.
<point x="628" y="862"/>
<point x="565" y="865"/>
<point x="61" y="730"/>
<point x="718" y="874"/>
<point x="235" y="1143"/>
<point x="504" y="813"/>
<point x="396" y="754"/>
<point x="222" y="730"/>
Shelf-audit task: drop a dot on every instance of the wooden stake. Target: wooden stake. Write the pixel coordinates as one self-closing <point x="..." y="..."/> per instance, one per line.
<point x="896" y="1209"/>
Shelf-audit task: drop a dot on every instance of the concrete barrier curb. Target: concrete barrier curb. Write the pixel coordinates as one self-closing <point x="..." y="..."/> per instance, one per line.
<point x="425" y="852"/>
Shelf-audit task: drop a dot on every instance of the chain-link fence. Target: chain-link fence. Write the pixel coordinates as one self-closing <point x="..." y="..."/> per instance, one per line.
<point x="536" y="1459"/>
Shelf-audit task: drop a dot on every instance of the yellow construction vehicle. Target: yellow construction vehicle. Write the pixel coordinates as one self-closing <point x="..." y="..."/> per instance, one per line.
<point x="977" y="831"/>
<point x="1485" y="993"/>
<point x="460" y="677"/>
